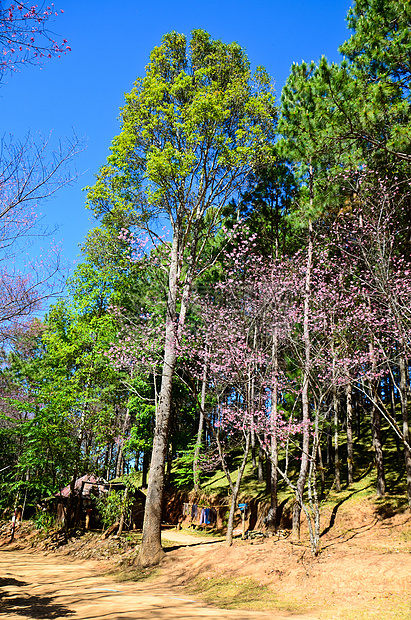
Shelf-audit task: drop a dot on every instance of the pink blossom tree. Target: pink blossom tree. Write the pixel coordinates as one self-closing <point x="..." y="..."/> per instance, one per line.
<point x="375" y="246"/>
<point x="25" y="37"/>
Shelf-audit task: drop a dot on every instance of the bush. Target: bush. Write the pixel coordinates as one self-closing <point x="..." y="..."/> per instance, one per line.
<point x="112" y="505"/>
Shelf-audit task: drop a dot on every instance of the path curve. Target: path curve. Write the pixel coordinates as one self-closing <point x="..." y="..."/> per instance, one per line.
<point x="185" y="538"/>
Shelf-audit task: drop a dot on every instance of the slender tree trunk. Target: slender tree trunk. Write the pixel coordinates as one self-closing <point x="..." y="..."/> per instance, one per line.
<point x="25" y="495"/>
<point x="358" y="407"/>
<point x="260" y="470"/>
<point x="234" y="492"/>
<point x="336" y="442"/>
<point x="394" y="414"/>
<point x="169" y="463"/>
<point x="337" y="473"/>
<point x="273" y="461"/>
<point x="376" y="430"/>
<point x="321" y="467"/>
<point x="120" y="452"/>
<point x="253" y="457"/>
<point x="329" y="442"/>
<point x="405" y="424"/>
<point x="304" y="395"/>
<point x="251" y="401"/>
<point x="313" y="515"/>
<point x="379" y="455"/>
<point x="350" y="444"/>
<point x="272" y="514"/>
<point x="123" y="514"/>
<point x="108" y="460"/>
<point x="196" y="469"/>
<point x="267" y="475"/>
<point x="119" y="460"/>
<point x="70" y="499"/>
<point x="151" y="551"/>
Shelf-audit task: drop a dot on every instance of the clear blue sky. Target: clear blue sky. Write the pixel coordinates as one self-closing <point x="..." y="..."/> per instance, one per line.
<point x="111" y="42"/>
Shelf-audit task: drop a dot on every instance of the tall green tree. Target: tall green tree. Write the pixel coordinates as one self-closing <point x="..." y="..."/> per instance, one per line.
<point x="192" y="130"/>
<point x="266" y="206"/>
<point x="379" y="52"/>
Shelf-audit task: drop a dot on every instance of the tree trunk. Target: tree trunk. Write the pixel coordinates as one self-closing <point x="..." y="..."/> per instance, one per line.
<point x="359" y="407"/>
<point x="394" y="414"/>
<point x="69" y="506"/>
<point x="321" y="468"/>
<point x="234" y="493"/>
<point x="376" y="442"/>
<point x="196" y="469"/>
<point x="108" y="460"/>
<point x="260" y="471"/>
<point x="123" y="514"/>
<point x="329" y="443"/>
<point x="337" y="473"/>
<point x="120" y="453"/>
<point x="313" y="515"/>
<point x="119" y="461"/>
<point x="253" y="459"/>
<point x="151" y="551"/>
<point x="267" y="475"/>
<point x="336" y="442"/>
<point x="376" y="429"/>
<point x="169" y="463"/>
<point x="272" y="513"/>
<point x="350" y="445"/>
<point x="405" y="425"/>
<point x="304" y="394"/>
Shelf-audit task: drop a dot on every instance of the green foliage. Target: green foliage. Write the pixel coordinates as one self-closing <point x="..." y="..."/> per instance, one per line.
<point x="113" y="504"/>
<point x="43" y="520"/>
<point x="110" y="507"/>
<point x="357" y="112"/>
<point x="196" y="116"/>
<point x="267" y="206"/>
<point x="183" y="469"/>
<point x="379" y="51"/>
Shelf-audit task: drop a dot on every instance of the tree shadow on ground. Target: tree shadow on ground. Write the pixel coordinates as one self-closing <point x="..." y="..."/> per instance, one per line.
<point x="389" y="507"/>
<point x="10" y="581"/>
<point x="41" y="607"/>
<point x="335" y="510"/>
<point x="202" y="542"/>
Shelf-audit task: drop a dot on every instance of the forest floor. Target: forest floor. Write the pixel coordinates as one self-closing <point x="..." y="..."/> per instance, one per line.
<point x="362" y="573"/>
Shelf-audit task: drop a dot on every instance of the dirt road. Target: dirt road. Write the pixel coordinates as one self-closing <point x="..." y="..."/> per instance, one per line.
<point x="362" y="572"/>
<point x="45" y="587"/>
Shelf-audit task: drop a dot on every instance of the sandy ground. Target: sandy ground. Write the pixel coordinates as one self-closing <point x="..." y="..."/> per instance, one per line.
<point x="36" y="586"/>
<point x="362" y="573"/>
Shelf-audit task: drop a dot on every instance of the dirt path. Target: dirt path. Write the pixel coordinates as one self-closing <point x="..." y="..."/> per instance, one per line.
<point x="182" y="538"/>
<point x="363" y="571"/>
<point x="45" y="587"/>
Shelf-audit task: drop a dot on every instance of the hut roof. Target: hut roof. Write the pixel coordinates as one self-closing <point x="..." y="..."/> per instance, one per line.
<point x="86" y="486"/>
<point x="89" y="485"/>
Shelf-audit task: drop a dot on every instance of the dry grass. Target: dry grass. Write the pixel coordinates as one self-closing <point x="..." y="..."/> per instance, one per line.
<point x="240" y="593"/>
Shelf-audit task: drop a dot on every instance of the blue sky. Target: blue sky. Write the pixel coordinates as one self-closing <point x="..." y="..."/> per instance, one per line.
<point x="111" y="42"/>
